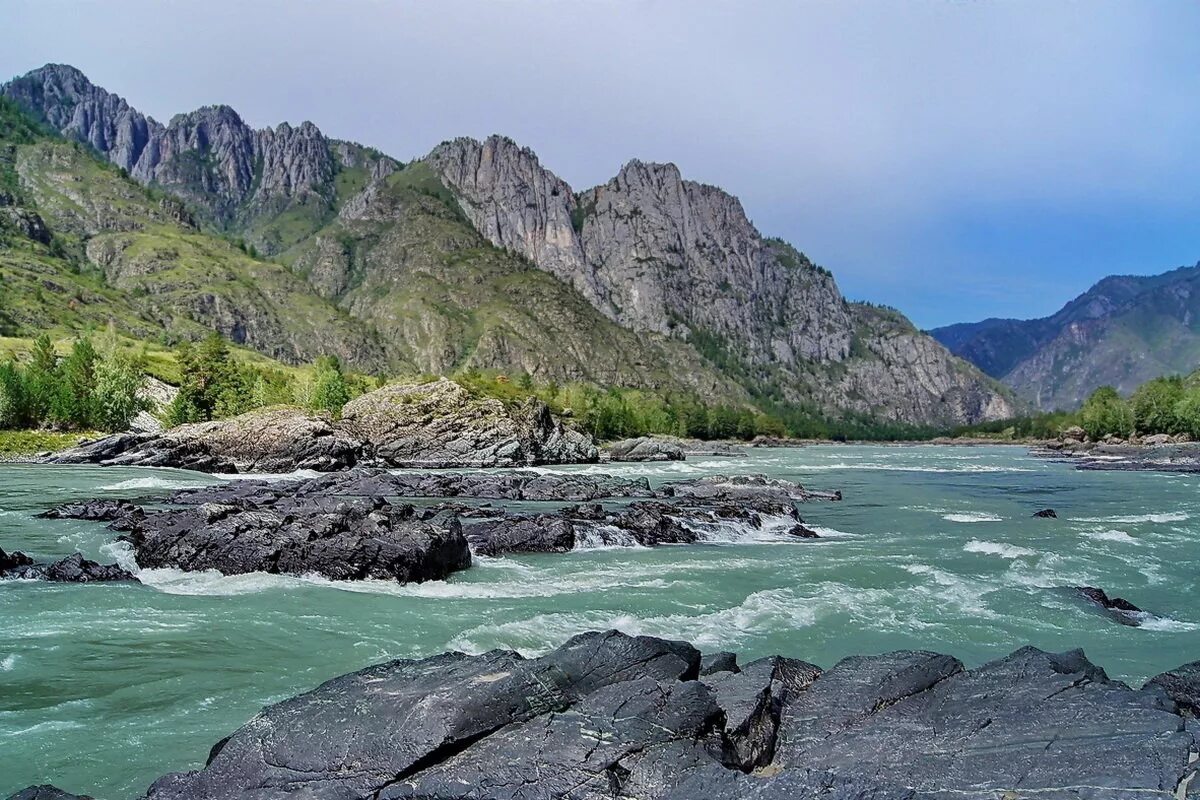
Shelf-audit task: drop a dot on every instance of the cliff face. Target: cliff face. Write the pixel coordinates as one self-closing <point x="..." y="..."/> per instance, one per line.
<point x="657" y="253"/>
<point x="480" y="256"/>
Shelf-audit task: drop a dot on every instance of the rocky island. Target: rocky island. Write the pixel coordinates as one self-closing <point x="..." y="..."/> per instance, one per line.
<point x="362" y="523"/>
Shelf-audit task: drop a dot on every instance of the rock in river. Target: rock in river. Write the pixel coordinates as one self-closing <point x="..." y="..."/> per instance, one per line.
<point x="267" y="440"/>
<point x="612" y="716"/>
<point x="349" y="539"/>
<point x="645" y="448"/>
<point x="72" y="569"/>
<point x="441" y="424"/>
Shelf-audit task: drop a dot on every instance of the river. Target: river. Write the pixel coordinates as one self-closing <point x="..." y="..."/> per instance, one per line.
<point x="105" y="687"/>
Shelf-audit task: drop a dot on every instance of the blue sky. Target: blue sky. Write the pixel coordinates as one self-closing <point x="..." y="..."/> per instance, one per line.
<point x="955" y="158"/>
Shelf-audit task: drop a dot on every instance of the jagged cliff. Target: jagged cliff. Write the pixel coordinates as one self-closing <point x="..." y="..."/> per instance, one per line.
<point x="479" y="256"/>
<point x="658" y="253"/>
<point x="235" y="176"/>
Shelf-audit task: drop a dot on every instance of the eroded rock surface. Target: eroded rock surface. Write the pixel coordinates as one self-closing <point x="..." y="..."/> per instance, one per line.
<point x="350" y="539"/>
<point x="440" y="424"/>
<point x="268" y="440"/>
<point x="613" y="716"/>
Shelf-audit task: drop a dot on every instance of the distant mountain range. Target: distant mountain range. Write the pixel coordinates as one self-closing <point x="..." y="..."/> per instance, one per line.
<point x="295" y="244"/>
<point x="1121" y="332"/>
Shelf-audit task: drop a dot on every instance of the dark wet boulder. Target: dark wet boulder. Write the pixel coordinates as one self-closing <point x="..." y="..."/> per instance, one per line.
<point x="14" y="560"/>
<point x="1118" y="608"/>
<point x="612" y="716"/>
<point x="644" y="448"/>
<point x="47" y="792"/>
<point x="801" y="531"/>
<point x="1046" y="513"/>
<point x="1031" y="723"/>
<point x="724" y="661"/>
<point x="542" y="533"/>
<point x="653" y="523"/>
<point x="118" y="511"/>
<point x="1182" y="685"/>
<point x="72" y="569"/>
<point x="592" y="749"/>
<point x="758" y="492"/>
<point x="369" y="482"/>
<point x="349" y="539"/>
<point x="380" y="728"/>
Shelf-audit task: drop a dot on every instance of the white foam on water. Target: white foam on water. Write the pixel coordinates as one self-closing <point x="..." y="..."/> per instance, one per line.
<point x="146" y="483"/>
<point x="951" y="590"/>
<point x="1157" y="518"/>
<point x="832" y="533"/>
<point x="42" y="727"/>
<point x="971" y="516"/>
<point x="1111" y="535"/>
<point x="8" y="662"/>
<point x="1149" y="622"/>
<point x="766" y="610"/>
<point x="267" y="476"/>
<point x="877" y="467"/>
<point x="998" y="549"/>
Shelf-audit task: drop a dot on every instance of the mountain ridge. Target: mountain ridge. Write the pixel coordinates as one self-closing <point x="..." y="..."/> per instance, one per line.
<point x="675" y="281"/>
<point x="1122" y="331"/>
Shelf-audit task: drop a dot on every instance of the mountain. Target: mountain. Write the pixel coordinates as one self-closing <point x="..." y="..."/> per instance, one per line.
<point x="1121" y="332"/>
<point x="477" y="256"/>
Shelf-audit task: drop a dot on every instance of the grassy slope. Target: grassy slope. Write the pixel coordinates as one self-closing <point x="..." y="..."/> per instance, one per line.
<point x="409" y="263"/>
<point x="128" y="255"/>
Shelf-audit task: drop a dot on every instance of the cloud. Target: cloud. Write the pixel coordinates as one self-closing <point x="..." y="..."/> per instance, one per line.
<point x="890" y="141"/>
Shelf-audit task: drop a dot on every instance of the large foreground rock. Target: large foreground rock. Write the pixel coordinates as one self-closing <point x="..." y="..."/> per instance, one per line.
<point x="612" y="716"/>
<point x="441" y="424"/>
<point x="267" y="440"/>
<point x="340" y="539"/>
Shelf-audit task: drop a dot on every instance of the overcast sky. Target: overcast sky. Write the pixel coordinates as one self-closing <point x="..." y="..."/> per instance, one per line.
<point x="956" y="158"/>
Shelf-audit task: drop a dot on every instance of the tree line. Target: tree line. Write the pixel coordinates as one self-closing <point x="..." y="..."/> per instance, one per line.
<point x="1163" y="405"/>
<point x="88" y="389"/>
<point x="214" y="385"/>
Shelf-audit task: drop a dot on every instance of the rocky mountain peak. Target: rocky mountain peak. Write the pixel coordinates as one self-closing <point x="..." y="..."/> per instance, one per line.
<point x="65" y="99"/>
<point x="210" y="157"/>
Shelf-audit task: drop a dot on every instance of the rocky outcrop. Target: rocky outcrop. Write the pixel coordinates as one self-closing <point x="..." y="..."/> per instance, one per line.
<point x="440" y="424"/>
<point x="1046" y="513"/>
<point x="1182" y="685"/>
<point x="341" y="540"/>
<point x="344" y="524"/>
<point x="644" y="448"/>
<point x="72" y="569"/>
<point x="431" y="425"/>
<point x="268" y="440"/>
<point x="613" y="716"/>
<point x="661" y="254"/>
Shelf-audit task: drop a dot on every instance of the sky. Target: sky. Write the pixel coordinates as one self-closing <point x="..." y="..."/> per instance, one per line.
<point x="957" y="159"/>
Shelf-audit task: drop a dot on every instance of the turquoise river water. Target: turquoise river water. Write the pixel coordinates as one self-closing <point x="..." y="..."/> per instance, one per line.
<point x="103" y="688"/>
